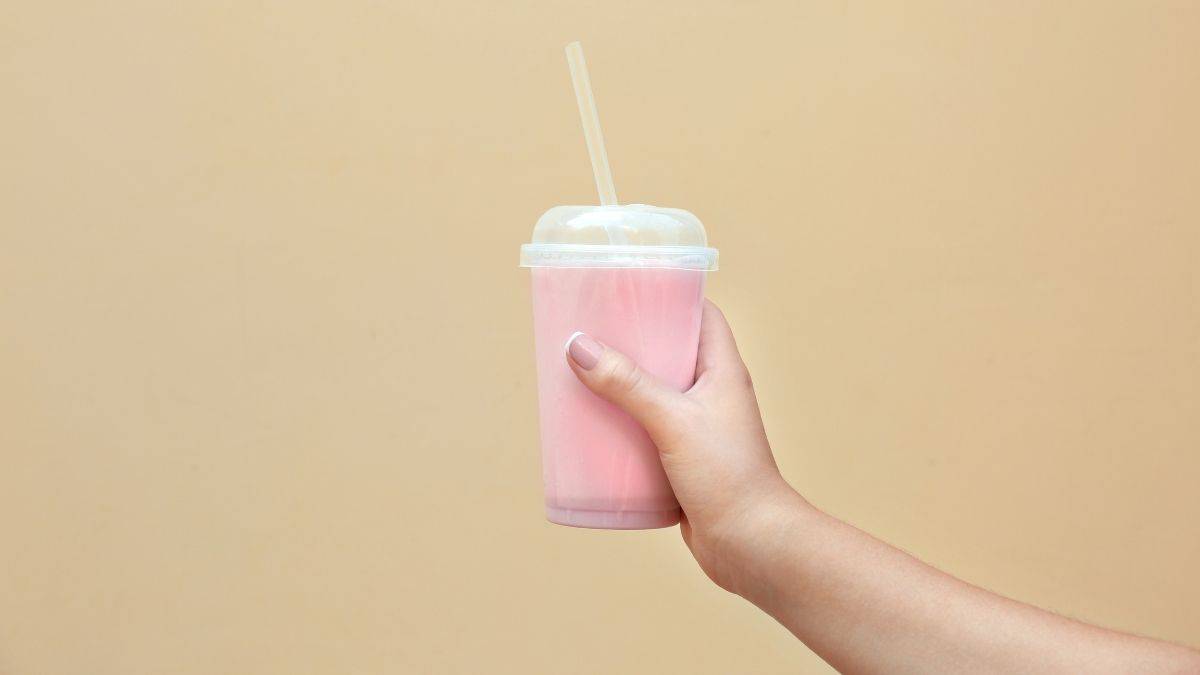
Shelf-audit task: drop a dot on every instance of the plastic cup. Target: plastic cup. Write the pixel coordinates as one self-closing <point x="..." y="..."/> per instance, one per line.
<point x="641" y="294"/>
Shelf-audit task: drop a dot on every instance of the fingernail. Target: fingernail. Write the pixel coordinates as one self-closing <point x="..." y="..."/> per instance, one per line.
<point x="584" y="350"/>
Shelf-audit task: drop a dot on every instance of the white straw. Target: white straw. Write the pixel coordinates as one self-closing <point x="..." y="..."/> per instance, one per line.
<point x="591" y="124"/>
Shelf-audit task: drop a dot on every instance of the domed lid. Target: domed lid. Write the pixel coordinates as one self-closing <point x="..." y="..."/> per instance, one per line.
<point x="627" y="235"/>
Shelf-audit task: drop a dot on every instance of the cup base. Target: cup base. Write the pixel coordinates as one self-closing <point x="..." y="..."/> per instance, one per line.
<point x="613" y="520"/>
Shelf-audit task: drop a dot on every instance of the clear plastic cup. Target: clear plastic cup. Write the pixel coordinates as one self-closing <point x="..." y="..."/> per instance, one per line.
<point x="632" y="276"/>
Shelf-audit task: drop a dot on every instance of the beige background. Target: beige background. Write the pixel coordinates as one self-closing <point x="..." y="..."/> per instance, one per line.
<point x="266" y="378"/>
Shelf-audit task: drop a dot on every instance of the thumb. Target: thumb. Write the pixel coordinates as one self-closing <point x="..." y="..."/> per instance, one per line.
<point x="615" y="378"/>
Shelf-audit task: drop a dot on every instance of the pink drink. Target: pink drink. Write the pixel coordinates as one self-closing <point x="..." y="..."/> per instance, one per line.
<point x="598" y="465"/>
<point x="631" y="276"/>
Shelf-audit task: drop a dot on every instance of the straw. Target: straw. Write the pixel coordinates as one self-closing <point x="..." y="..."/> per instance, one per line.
<point x="591" y="124"/>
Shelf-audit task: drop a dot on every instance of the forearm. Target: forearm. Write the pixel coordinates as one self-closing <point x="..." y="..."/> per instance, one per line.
<point x="864" y="606"/>
<point x="867" y="607"/>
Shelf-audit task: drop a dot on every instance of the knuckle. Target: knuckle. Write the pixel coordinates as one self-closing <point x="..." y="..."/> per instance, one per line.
<point x="739" y="375"/>
<point x="744" y="378"/>
<point x="621" y="378"/>
<point x="625" y="377"/>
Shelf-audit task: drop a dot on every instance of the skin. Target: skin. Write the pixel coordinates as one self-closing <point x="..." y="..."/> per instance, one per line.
<point x="862" y="605"/>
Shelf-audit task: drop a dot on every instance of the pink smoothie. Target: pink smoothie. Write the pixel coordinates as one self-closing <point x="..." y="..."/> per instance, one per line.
<point x="598" y="465"/>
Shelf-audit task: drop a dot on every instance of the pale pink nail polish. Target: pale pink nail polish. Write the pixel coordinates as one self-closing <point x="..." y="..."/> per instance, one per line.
<point x="584" y="350"/>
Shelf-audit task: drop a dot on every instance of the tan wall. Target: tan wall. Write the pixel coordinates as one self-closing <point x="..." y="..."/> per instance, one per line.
<point x="266" y="377"/>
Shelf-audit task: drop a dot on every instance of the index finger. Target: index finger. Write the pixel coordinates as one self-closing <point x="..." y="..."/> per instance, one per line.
<point x="718" y="351"/>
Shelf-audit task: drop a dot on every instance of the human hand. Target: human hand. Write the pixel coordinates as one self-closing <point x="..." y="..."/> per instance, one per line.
<point x="864" y="606"/>
<point x="710" y="439"/>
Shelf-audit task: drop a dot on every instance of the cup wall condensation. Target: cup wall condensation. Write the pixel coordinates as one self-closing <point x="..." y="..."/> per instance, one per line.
<point x="631" y="276"/>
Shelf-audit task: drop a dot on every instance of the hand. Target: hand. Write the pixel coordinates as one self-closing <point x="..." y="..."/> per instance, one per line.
<point x="711" y="441"/>
<point x="864" y="606"/>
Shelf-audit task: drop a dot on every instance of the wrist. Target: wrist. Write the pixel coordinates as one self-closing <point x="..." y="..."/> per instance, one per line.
<point x="752" y="542"/>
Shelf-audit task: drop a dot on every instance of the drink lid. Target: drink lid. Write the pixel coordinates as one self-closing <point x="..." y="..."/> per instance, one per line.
<point x="628" y="235"/>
